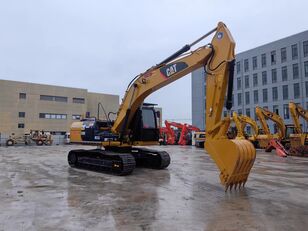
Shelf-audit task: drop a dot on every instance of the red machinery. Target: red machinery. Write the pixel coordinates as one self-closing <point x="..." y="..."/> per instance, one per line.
<point x="172" y="136"/>
<point x="185" y="137"/>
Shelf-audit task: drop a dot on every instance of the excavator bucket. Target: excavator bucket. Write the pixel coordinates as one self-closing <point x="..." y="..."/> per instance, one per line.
<point x="234" y="159"/>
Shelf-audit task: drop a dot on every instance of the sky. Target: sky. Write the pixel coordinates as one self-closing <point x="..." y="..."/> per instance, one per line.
<point x="101" y="45"/>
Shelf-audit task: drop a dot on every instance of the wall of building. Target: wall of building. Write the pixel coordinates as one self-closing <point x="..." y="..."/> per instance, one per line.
<point x="249" y="67"/>
<point x="26" y="106"/>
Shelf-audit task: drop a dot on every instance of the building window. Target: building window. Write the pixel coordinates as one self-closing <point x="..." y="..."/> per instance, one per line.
<point x="247" y="98"/>
<point x="306" y="68"/>
<point x="238" y="67"/>
<point x="60" y="99"/>
<point x="21" y="125"/>
<point x="274" y="76"/>
<point x="294" y="51"/>
<point x="78" y="100"/>
<point x="255" y="96"/>
<point x="254" y="62"/>
<point x="295" y="71"/>
<point x="275" y="93"/>
<point x="306" y="86"/>
<point x="305" y="48"/>
<point x="246" y="65"/>
<point x="53" y="98"/>
<point x="46" y="97"/>
<point x="276" y="109"/>
<point x="283" y="54"/>
<point x="286" y="114"/>
<point x="264" y="93"/>
<point x="239" y="83"/>
<point x="22" y="95"/>
<point x="52" y="116"/>
<point x="239" y="98"/>
<point x="273" y="57"/>
<point x="296" y="89"/>
<point x="284" y="73"/>
<point x="263" y="60"/>
<point x="225" y="113"/>
<point x="76" y="117"/>
<point x="246" y="81"/>
<point x="21" y="114"/>
<point x="248" y="112"/>
<point x="264" y="78"/>
<point x="239" y="111"/>
<point x="285" y="92"/>
<point x="255" y="79"/>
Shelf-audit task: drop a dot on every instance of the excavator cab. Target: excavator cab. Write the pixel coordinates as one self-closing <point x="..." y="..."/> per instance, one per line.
<point x="144" y="126"/>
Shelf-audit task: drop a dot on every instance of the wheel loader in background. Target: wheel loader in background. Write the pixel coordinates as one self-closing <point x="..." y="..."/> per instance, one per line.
<point x="298" y="139"/>
<point x="135" y="126"/>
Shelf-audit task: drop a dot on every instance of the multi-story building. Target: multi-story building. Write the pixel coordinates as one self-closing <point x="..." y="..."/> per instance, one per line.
<point x="29" y="106"/>
<point x="269" y="76"/>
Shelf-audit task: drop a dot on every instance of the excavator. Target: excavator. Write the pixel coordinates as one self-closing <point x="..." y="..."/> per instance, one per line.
<point x="298" y="139"/>
<point x="267" y="140"/>
<point x="135" y="127"/>
<point x="240" y="122"/>
<point x="172" y="136"/>
<point x="186" y="136"/>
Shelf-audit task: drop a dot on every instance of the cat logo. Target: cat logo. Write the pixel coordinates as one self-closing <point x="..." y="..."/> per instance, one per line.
<point x="173" y="68"/>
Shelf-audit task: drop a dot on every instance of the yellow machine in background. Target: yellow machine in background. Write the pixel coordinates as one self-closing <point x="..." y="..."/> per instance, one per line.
<point x="241" y="122"/>
<point x="136" y="126"/>
<point x="267" y="140"/>
<point x="298" y="139"/>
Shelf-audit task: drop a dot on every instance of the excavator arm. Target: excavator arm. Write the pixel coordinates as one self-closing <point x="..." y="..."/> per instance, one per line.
<point x="241" y="121"/>
<point x="264" y="114"/>
<point x="298" y="140"/>
<point x="296" y="112"/>
<point x="271" y="141"/>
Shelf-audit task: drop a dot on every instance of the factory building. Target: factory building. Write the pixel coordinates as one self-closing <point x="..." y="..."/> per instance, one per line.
<point x="269" y="76"/>
<point x="29" y="106"/>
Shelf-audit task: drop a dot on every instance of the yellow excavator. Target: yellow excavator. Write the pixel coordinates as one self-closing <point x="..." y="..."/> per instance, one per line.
<point x="136" y="126"/>
<point x="298" y="140"/>
<point x="267" y="140"/>
<point x="241" y="122"/>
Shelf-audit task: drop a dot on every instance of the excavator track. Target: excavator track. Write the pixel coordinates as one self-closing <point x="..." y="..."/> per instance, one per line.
<point x="102" y="161"/>
<point x="117" y="161"/>
<point x="149" y="158"/>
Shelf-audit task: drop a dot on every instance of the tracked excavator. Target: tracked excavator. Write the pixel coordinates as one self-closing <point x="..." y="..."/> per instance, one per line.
<point x="241" y="122"/>
<point x="267" y="140"/>
<point x="186" y="134"/>
<point x="298" y="139"/>
<point x="135" y="127"/>
<point x="172" y="136"/>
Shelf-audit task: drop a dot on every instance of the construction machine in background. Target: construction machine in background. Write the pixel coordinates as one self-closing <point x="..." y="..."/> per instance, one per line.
<point x="241" y="122"/>
<point x="173" y="135"/>
<point x="267" y="140"/>
<point x="135" y="126"/>
<point x="186" y="134"/>
<point x="39" y="137"/>
<point x="298" y="139"/>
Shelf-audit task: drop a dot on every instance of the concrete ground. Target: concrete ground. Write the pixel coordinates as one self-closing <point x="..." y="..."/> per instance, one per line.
<point x="39" y="191"/>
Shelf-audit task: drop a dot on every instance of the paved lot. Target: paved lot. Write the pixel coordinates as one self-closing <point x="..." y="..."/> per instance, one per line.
<point x="38" y="191"/>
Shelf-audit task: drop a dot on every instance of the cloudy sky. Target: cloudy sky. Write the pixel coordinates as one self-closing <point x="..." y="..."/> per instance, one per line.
<point x="101" y="45"/>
